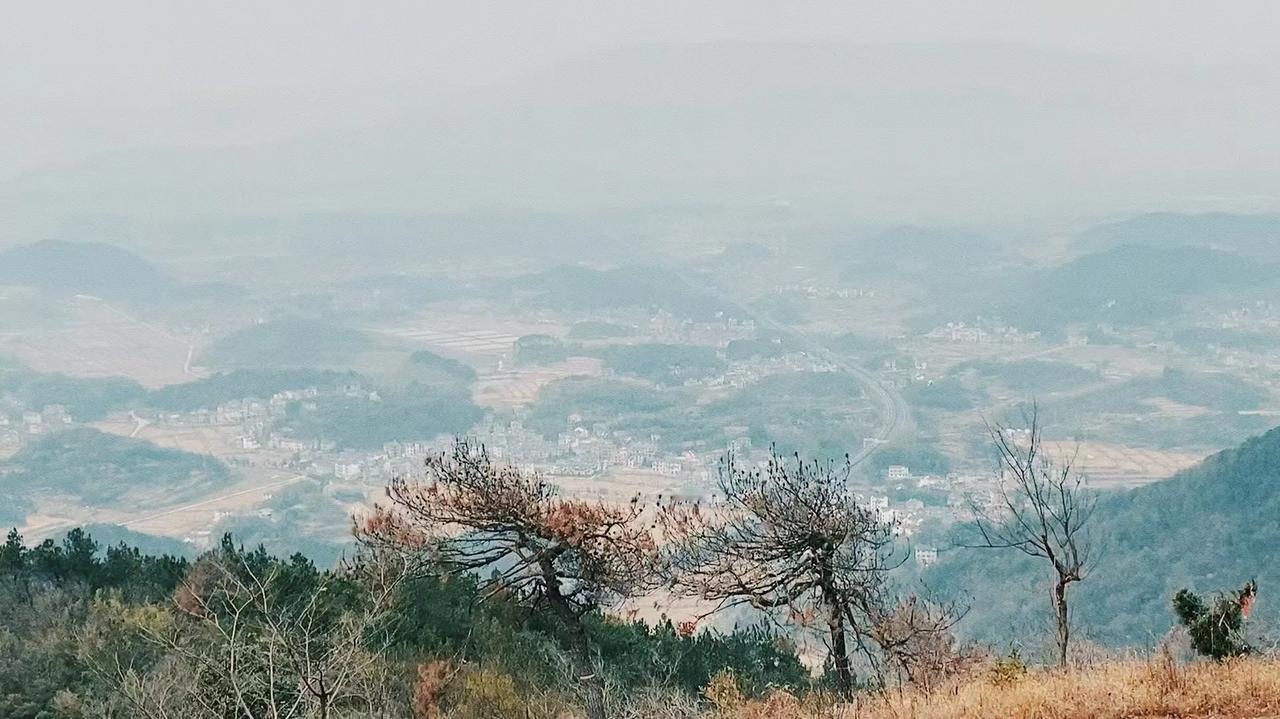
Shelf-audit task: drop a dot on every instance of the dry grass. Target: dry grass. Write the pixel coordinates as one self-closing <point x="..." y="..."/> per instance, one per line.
<point x="1155" y="688"/>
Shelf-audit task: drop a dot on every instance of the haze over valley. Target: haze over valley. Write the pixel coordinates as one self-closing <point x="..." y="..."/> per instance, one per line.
<point x="266" y="290"/>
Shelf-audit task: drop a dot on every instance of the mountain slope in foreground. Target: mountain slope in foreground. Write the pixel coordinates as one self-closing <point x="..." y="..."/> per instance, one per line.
<point x="1209" y="528"/>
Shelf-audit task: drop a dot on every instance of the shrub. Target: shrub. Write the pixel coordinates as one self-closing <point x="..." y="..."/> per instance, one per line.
<point x="1008" y="669"/>
<point x="1216" y="631"/>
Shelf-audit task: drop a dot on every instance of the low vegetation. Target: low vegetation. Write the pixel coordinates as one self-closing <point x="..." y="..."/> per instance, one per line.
<point x="211" y="391"/>
<point x="103" y="469"/>
<point x="480" y="592"/>
<point x="85" y="399"/>
<point x="368" y="422"/>
<point x="289" y="342"/>
<point x="1158" y="687"/>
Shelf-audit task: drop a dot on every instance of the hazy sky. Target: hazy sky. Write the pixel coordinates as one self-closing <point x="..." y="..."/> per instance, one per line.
<point x="97" y="98"/>
<point x="80" y="77"/>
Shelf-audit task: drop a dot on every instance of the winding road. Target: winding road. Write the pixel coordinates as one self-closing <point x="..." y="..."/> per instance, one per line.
<point x="896" y="415"/>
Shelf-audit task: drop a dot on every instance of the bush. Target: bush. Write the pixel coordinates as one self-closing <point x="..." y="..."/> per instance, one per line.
<point x="1216" y="631"/>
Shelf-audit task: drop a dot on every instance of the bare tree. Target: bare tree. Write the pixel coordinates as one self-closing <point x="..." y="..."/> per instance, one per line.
<point x="787" y="535"/>
<point x="256" y="637"/>
<point x="521" y="540"/>
<point x="916" y="640"/>
<point x="1042" y="509"/>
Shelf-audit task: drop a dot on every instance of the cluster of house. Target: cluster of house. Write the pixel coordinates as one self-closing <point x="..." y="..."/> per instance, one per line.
<point x="975" y="334"/>
<point x="584" y="451"/>
<point x="666" y="327"/>
<point x="911" y="515"/>
<point x="824" y="293"/>
<point x="20" y="425"/>
<point x="745" y="372"/>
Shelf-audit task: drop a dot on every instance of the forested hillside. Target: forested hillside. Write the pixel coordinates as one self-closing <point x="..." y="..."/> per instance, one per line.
<point x="1209" y="527"/>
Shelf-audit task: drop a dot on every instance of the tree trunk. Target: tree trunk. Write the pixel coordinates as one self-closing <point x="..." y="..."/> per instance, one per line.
<point x="585" y="673"/>
<point x="579" y="648"/>
<point x="1063" y="620"/>
<point x="839" y="643"/>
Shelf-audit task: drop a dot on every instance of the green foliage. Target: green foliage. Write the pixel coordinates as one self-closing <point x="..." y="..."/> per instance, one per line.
<point x="69" y="610"/>
<point x="539" y="349"/>
<point x="1127" y="285"/>
<point x="80" y="561"/>
<point x="1202" y="338"/>
<point x="87" y="268"/>
<point x="948" y="394"/>
<point x="639" y="655"/>
<point x="1009" y="669"/>
<point x="102" y="468"/>
<point x="241" y="383"/>
<point x="919" y="458"/>
<point x="1216" y="390"/>
<point x="598" y="400"/>
<point x="663" y="363"/>
<point x="1031" y="377"/>
<point x="1257" y="235"/>
<point x="305" y="519"/>
<point x="813" y="413"/>
<point x="86" y="399"/>
<point x="53" y="628"/>
<point x="1216" y="631"/>
<point x="441" y="369"/>
<point x="793" y="410"/>
<point x="1126" y="409"/>
<point x="766" y="347"/>
<point x="416" y="412"/>
<point x="290" y="342"/>
<point x="1213" y="520"/>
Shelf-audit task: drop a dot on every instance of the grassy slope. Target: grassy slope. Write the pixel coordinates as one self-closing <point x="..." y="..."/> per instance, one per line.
<point x="1117" y="690"/>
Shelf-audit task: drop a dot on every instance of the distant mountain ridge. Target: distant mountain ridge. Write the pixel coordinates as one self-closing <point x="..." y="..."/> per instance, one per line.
<point x="1129" y="284"/>
<point x="98" y="269"/>
<point x="1254" y="235"/>
<point x="863" y="130"/>
<point x="90" y="268"/>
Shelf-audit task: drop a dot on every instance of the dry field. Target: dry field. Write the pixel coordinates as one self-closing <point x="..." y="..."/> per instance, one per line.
<point x="520" y="385"/>
<point x="157" y="511"/>
<point x="462" y="333"/>
<point x="1114" y="466"/>
<point x="99" y="340"/>
<point x="1155" y="688"/>
<point x="254" y="487"/>
<point x="218" y="440"/>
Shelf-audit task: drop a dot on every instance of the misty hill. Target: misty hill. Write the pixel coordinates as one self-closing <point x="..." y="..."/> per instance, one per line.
<point x="1207" y="528"/>
<point x="429" y="368"/>
<point x="102" y="468"/>
<point x="570" y="287"/>
<point x="85" y="268"/>
<point x="1255" y="235"/>
<point x="288" y="342"/>
<point x="86" y="399"/>
<point x="865" y="130"/>
<point x="413" y="413"/>
<point x="912" y="248"/>
<point x="1127" y="285"/>
<point x="211" y="391"/>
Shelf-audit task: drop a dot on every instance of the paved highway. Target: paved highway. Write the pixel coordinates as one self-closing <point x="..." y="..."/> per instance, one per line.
<point x="896" y="416"/>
